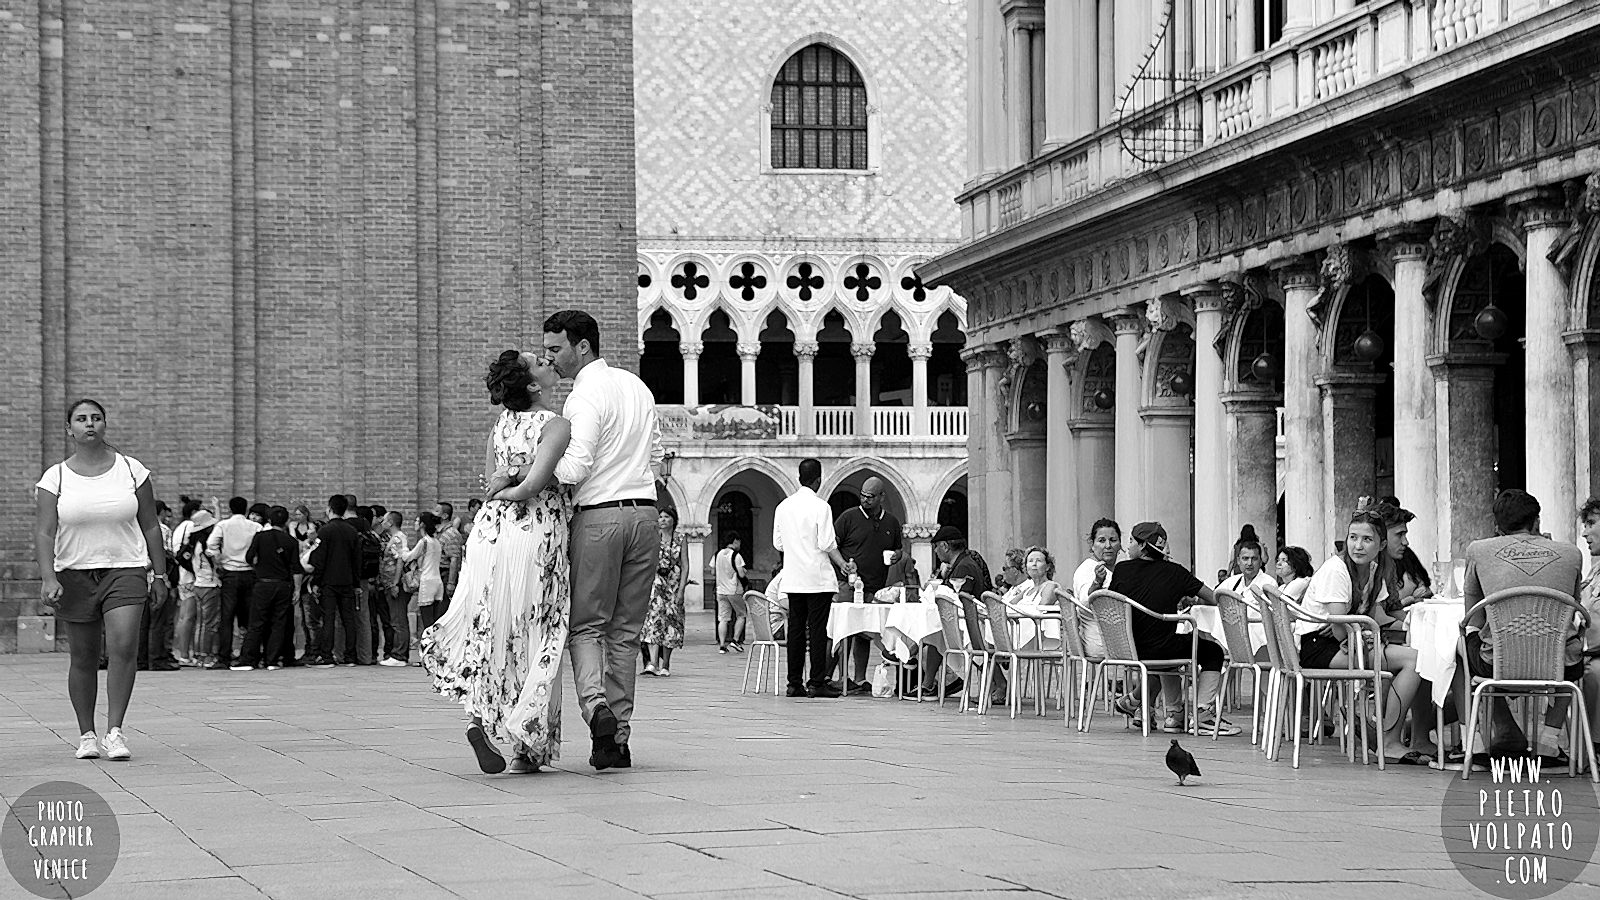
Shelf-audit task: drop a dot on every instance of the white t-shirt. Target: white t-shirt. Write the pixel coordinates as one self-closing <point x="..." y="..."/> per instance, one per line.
<point x="1235" y="583"/>
<point x="728" y="564"/>
<point x="1094" y="641"/>
<point x="802" y="529"/>
<point x="1330" y="585"/>
<point x="98" y="518"/>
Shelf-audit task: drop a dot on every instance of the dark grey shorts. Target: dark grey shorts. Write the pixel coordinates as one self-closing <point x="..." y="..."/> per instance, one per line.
<point x="86" y="594"/>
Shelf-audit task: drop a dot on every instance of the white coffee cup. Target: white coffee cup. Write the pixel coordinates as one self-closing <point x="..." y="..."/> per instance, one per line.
<point x="888" y="557"/>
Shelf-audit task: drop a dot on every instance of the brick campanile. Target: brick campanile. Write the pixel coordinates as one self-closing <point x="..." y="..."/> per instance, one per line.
<point x="280" y="240"/>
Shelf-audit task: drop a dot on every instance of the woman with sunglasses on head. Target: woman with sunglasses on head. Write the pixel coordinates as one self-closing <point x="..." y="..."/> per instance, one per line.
<point x="1352" y="582"/>
<point x="100" y="555"/>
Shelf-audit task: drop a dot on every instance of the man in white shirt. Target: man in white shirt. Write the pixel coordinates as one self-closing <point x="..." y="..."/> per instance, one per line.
<point x="731" y="575"/>
<point x="612" y="458"/>
<point x="802" y="530"/>
<point x="226" y="547"/>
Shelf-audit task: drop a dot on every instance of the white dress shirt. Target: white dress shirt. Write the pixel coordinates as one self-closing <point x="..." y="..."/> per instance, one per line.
<point x="802" y="528"/>
<point x="616" y="439"/>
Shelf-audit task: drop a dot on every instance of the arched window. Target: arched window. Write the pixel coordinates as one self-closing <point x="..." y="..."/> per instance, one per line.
<point x="819" y="112"/>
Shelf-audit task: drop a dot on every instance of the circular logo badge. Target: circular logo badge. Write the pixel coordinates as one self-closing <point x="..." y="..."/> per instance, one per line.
<point x="60" y="839"/>
<point x="1520" y="831"/>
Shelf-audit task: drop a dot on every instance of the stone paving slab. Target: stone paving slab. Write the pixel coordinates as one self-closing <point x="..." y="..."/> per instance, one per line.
<point x="343" y="782"/>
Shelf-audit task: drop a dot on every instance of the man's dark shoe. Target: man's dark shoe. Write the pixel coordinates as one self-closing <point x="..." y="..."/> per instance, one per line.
<point x="603" y="733"/>
<point x="623" y="758"/>
<point x="217" y="667"/>
<point x="603" y="753"/>
<point x="796" y="691"/>
<point x="860" y="687"/>
<point x="164" y="665"/>
<point x="603" y="722"/>
<point x="826" y="691"/>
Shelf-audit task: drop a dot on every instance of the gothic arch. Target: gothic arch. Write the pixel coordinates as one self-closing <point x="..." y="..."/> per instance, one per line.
<point x="679" y="500"/>
<point x="941" y="487"/>
<point x="880" y="467"/>
<point x="1502" y="233"/>
<point x="737" y="320"/>
<point x="719" y="479"/>
<point x="1151" y="366"/>
<point x="678" y="321"/>
<point x="827" y="39"/>
<point x="812" y="324"/>
<point x="1327" y="345"/>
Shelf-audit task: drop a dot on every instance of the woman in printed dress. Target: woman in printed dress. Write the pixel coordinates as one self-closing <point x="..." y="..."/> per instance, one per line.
<point x="497" y="651"/>
<point x="663" y="623"/>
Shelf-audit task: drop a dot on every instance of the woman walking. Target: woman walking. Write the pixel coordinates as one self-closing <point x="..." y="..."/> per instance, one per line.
<point x="663" y="622"/>
<point x="498" y="648"/>
<point x="100" y="555"/>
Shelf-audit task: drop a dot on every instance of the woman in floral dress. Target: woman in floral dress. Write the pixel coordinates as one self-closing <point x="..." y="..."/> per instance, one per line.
<point x="497" y="651"/>
<point x="663" y="623"/>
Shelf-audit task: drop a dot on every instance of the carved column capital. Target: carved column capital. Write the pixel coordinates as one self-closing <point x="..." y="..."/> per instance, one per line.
<point x="1297" y="272"/>
<point x="863" y="349"/>
<point x="1126" y="320"/>
<point x="805" y="349"/>
<point x="695" y="531"/>
<point x="1057" y="343"/>
<point x="1539" y="209"/>
<point x="1206" y="296"/>
<point x="920" y="351"/>
<point x="748" y="351"/>
<point x="919" y="531"/>
<point x="691" y="349"/>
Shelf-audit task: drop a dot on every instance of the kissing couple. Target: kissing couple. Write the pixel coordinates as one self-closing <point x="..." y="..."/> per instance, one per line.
<point x="561" y="557"/>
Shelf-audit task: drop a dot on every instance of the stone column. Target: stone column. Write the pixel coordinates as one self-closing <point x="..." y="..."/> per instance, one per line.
<point x="1094" y="443"/>
<point x="1416" y="459"/>
<point x="691" y="350"/>
<point x="1127" y="324"/>
<point x="1030" y="510"/>
<point x="1213" y="527"/>
<point x="1349" y="446"/>
<point x="1061" y="503"/>
<point x="1070" y="31"/>
<point x="748" y="353"/>
<point x="1585" y="348"/>
<point x="862" y="351"/>
<point x="999" y="515"/>
<point x="1307" y="524"/>
<point x="979" y="411"/>
<point x="805" y="353"/>
<point x="1251" y="466"/>
<point x="1168" y="486"/>
<point x="1552" y="461"/>
<point x="920" y="539"/>
<point x="920" y="354"/>
<point x="704" y="596"/>
<point x="1464" y="405"/>
<point x="1244" y="19"/>
<point x="1019" y="89"/>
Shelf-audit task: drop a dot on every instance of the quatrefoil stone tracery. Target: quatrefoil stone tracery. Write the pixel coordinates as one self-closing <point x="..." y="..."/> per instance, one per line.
<point x="919" y="291"/>
<point x="862" y="281"/>
<point x="805" y="280"/>
<point x="690" y="280"/>
<point x="747" y="281"/>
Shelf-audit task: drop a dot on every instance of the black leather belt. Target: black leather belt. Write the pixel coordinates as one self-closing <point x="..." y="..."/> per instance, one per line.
<point x="614" y="504"/>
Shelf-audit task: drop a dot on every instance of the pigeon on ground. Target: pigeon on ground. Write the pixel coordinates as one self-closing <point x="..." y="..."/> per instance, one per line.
<point x="1181" y="762"/>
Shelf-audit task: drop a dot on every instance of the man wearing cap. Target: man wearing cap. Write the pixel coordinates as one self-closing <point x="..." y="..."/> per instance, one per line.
<point x="959" y="561"/>
<point x="1160" y="585"/>
<point x="802" y="530"/>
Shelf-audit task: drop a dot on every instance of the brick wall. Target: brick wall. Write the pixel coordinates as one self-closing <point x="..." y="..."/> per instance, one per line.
<point x="280" y="240"/>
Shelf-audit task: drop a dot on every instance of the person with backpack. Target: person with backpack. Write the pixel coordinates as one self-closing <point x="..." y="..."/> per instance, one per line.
<point x="193" y="580"/>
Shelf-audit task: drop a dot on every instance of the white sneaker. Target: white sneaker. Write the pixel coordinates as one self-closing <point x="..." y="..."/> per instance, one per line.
<point x="88" y="746"/>
<point x="664" y="673"/>
<point x="116" y="747"/>
<point x="390" y="661"/>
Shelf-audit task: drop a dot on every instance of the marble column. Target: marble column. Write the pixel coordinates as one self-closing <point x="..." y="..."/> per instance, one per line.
<point x="999" y="515"/>
<point x="919" y="538"/>
<point x="1061" y="503"/>
<point x="1128" y="324"/>
<point x="695" y="536"/>
<point x="1213" y="527"/>
<point x="805" y="353"/>
<point x="1030" y="510"/>
<point x="1251" y="463"/>
<point x="1349" y="446"/>
<point x="691" y="350"/>
<point x="748" y="354"/>
<point x="1307" y="522"/>
<point x="1466" y="481"/>
<point x="1094" y="442"/>
<point x="1585" y="348"/>
<point x="1416" y="458"/>
<point x="1552" y="460"/>
<point x="1071" y="31"/>
<point x="1168" y="484"/>
<point x="920" y="354"/>
<point x="862" y="351"/>
<point x="979" y="412"/>
<point x="1244" y="20"/>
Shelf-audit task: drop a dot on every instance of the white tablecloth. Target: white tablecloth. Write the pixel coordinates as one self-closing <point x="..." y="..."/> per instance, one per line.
<point x="907" y="625"/>
<point x="1209" y="620"/>
<point x="1434" y="627"/>
<point x="846" y="619"/>
<point x="1026" y="633"/>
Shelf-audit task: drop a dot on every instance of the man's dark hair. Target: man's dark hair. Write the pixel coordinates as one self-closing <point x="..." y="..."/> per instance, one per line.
<point x="579" y="326"/>
<point x="378" y="511"/>
<point x="956" y="544"/>
<point x="350" y="501"/>
<point x="395" y="517"/>
<point x="1590" y="510"/>
<point x="730" y="540"/>
<point x="449" y="508"/>
<point x="190" y="505"/>
<point x="810" y="471"/>
<point x="1515" y="510"/>
<point x="238" y="505"/>
<point x="364" y="512"/>
<point x="161" y="507"/>
<point x="278" y="516"/>
<point x="260" y="510"/>
<point x="338" y="504"/>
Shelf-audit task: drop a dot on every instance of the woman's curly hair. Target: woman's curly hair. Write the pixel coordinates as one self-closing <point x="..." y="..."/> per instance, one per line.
<point x="508" y="380"/>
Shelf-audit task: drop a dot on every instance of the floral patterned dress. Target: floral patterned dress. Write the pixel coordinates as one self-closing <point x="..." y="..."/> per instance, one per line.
<point x="497" y="651"/>
<point x="663" y="623"/>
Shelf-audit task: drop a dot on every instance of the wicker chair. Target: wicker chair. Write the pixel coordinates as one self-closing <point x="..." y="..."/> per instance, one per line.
<point x="1114" y="612"/>
<point x="1237" y="614"/>
<point x="1280" y="616"/>
<point x="1529" y="627"/>
<point x="973" y="656"/>
<point x="1078" y="663"/>
<point x="760" y="617"/>
<point x="1001" y="619"/>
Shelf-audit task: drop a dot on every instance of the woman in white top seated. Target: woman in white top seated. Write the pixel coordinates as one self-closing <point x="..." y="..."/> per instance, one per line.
<point x="1352" y="582"/>
<point x="1294" y="571"/>
<point x="1248" y="558"/>
<point x="1093" y="574"/>
<point x="1036" y="588"/>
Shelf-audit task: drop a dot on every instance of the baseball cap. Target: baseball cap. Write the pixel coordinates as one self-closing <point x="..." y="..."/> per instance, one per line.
<point x="1152" y="535"/>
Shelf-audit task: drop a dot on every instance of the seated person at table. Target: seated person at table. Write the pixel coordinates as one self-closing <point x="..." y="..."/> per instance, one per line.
<point x="1248" y="560"/>
<point x="950" y="548"/>
<point x="1036" y="587"/>
<point x="1294" y="571"/>
<point x="778" y="605"/>
<point x="1160" y="585"/>
<point x="1520" y="557"/>
<point x="1590" y="514"/>
<point x="1093" y="574"/>
<point x="1011" y="571"/>
<point x="1351" y="582"/>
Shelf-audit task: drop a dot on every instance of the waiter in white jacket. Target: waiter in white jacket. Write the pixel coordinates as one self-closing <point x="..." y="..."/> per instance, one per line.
<point x="612" y="460"/>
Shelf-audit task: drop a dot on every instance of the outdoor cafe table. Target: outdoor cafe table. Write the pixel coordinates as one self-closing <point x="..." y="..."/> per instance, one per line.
<point x="1209" y="620"/>
<point x="1432" y="629"/>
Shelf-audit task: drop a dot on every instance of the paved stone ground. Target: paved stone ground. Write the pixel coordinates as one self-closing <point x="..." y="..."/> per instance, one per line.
<point x="357" y="782"/>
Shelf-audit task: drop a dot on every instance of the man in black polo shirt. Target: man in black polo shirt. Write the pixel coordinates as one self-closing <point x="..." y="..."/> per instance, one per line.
<point x="950" y="549"/>
<point x="865" y="533"/>
<point x="336" y="567"/>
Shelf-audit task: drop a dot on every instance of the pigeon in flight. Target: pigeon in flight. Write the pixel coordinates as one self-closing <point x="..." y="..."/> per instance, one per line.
<point x="1181" y="762"/>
